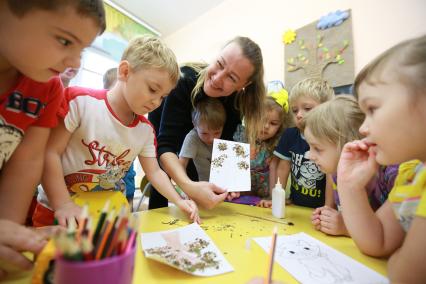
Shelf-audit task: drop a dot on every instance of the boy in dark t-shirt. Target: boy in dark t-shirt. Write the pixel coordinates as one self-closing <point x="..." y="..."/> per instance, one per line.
<point x="307" y="181"/>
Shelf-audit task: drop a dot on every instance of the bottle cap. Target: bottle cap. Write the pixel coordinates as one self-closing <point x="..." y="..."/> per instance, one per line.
<point x="278" y="183"/>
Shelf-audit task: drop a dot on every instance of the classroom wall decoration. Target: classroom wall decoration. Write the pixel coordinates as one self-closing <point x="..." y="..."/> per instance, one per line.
<point x="119" y="30"/>
<point x="321" y="49"/>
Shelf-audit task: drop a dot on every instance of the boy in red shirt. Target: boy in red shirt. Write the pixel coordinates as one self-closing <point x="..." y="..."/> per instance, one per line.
<point x="40" y="39"/>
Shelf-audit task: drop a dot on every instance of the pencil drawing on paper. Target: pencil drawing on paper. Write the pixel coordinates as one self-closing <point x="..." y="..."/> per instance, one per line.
<point x="311" y="261"/>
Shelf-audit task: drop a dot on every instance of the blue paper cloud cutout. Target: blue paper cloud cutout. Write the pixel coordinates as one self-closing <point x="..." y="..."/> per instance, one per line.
<point x="332" y="19"/>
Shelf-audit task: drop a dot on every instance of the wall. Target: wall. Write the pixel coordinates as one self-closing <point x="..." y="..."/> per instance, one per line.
<point x="377" y="25"/>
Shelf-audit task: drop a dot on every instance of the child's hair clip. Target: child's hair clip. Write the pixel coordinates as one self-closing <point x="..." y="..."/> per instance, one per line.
<point x="281" y="98"/>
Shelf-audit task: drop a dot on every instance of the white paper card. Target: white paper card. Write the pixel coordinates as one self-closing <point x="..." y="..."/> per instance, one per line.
<point x="230" y="166"/>
<point x="188" y="249"/>
<point x="311" y="261"/>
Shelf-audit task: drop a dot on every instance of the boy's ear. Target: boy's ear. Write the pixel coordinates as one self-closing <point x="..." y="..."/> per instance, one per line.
<point x="123" y="70"/>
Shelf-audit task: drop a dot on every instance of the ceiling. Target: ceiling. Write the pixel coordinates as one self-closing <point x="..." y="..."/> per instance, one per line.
<point x="167" y="16"/>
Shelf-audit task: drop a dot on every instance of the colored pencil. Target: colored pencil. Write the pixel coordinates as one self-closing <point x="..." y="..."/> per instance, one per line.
<point x="105" y="234"/>
<point x="268" y="279"/>
<point x="100" y="224"/>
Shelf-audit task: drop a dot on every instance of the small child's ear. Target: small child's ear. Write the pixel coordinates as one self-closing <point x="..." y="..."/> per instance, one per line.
<point x="123" y="70"/>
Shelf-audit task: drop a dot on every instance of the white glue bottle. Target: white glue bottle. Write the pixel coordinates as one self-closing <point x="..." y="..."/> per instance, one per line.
<point x="278" y="200"/>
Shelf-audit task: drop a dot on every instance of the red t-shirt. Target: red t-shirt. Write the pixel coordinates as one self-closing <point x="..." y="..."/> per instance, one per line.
<point x="28" y="103"/>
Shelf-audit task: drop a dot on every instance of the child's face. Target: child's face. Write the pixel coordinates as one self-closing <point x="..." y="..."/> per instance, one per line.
<point x="206" y="134"/>
<point x="42" y="44"/>
<point x="300" y="107"/>
<point x="322" y="152"/>
<point x="270" y="126"/>
<point x="394" y="121"/>
<point x="146" y="88"/>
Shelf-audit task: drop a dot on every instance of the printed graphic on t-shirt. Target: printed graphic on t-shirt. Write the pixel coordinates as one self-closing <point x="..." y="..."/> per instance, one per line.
<point x="10" y="137"/>
<point x="305" y="176"/>
<point x="114" y="165"/>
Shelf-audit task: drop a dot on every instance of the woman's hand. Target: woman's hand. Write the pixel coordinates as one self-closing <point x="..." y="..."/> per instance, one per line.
<point x="67" y="211"/>
<point x="232" y="195"/>
<point x="189" y="207"/>
<point x="206" y="194"/>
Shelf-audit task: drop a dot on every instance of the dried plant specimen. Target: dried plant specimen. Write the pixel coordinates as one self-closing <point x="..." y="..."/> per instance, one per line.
<point x="239" y="151"/>
<point x="242" y="165"/>
<point x="218" y="162"/>
<point x="189" y="257"/>
<point x="222" y="146"/>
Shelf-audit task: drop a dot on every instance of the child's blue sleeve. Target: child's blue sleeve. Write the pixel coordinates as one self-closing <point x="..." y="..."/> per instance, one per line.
<point x="129" y="180"/>
<point x="282" y="150"/>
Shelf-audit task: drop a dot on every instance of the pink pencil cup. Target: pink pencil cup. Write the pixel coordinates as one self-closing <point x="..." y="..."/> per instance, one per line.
<point x="112" y="270"/>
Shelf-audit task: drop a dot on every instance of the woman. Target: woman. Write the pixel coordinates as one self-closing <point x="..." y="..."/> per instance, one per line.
<point x="236" y="79"/>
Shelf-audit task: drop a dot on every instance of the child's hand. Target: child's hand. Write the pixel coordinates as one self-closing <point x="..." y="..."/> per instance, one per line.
<point x="68" y="210"/>
<point x="315" y="218"/>
<point x="15" y="239"/>
<point x="189" y="207"/>
<point x="357" y="165"/>
<point x="232" y="195"/>
<point x="264" y="203"/>
<point x="331" y="222"/>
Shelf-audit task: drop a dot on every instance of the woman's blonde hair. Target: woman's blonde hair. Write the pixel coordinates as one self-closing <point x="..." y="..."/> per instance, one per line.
<point x="337" y="120"/>
<point x="249" y="101"/>
<point x="150" y="52"/>
<point x="408" y="60"/>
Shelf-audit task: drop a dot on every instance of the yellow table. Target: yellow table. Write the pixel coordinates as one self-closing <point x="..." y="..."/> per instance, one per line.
<point x="230" y="229"/>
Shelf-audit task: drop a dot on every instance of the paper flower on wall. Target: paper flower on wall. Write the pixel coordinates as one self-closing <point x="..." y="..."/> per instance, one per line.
<point x="289" y="36"/>
<point x="332" y="19"/>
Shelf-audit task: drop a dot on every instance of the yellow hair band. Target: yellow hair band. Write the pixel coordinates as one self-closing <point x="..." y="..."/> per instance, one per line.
<point x="281" y="98"/>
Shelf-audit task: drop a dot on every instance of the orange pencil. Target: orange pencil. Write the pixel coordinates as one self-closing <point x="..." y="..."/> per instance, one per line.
<point x="268" y="279"/>
<point x="120" y="225"/>
<point x="104" y="237"/>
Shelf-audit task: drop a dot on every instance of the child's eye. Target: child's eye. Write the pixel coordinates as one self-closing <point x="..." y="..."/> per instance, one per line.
<point x="64" y="41"/>
<point x="370" y="110"/>
<point x="152" y="90"/>
<point x="308" y="108"/>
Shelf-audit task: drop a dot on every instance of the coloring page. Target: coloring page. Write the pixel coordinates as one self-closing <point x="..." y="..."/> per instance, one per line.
<point x="188" y="249"/>
<point x="311" y="261"/>
<point x="230" y="166"/>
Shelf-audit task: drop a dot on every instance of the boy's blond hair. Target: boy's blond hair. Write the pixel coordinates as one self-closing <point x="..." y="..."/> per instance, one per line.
<point x="150" y="52"/>
<point x="211" y="112"/>
<point x="110" y="77"/>
<point x="314" y="88"/>
<point x="337" y="120"/>
<point x="89" y="8"/>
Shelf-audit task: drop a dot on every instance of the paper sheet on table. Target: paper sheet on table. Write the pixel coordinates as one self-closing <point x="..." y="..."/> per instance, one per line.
<point x="311" y="261"/>
<point x="230" y="165"/>
<point x="188" y="249"/>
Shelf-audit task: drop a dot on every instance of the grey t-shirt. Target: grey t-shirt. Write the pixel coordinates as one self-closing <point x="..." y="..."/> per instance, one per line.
<point x="201" y="154"/>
